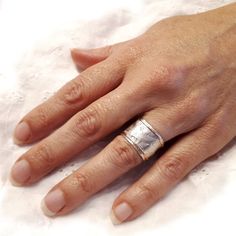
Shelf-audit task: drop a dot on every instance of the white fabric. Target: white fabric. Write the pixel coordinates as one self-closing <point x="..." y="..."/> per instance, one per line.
<point x="35" y="38"/>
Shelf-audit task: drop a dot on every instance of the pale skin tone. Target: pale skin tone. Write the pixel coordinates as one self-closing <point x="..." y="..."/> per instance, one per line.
<point x="180" y="75"/>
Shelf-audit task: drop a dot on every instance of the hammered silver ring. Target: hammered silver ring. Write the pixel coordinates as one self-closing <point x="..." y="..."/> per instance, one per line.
<point x="144" y="138"/>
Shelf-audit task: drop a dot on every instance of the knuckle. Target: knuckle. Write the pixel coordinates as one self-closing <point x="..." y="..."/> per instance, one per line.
<point x="163" y="76"/>
<point x="122" y="154"/>
<point x="173" y="168"/>
<point x="83" y="182"/>
<point x="133" y="50"/>
<point x="129" y="53"/>
<point x="165" y="79"/>
<point x="194" y="106"/>
<point x="43" y="157"/>
<point x="215" y="128"/>
<point x="74" y="91"/>
<point x="88" y="122"/>
<point x="42" y="117"/>
<point x="197" y="104"/>
<point x="147" y="193"/>
<point x="119" y="62"/>
<point x="215" y="132"/>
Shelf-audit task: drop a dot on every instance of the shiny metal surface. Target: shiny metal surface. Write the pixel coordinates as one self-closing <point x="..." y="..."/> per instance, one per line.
<point x="144" y="138"/>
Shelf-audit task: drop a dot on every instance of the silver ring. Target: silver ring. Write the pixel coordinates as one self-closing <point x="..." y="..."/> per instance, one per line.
<point x="144" y="138"/>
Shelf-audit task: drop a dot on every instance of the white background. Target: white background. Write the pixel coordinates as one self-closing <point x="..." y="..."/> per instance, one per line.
<point x="35" y="38"/>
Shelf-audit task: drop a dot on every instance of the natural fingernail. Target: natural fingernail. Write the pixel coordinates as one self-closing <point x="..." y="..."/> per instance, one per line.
<point x="121" y="213"/>
<point x="20" y="172"/>
<point x="53" y="202"/>
<point x="22" y="132"/>
<point x="81" y="50"/>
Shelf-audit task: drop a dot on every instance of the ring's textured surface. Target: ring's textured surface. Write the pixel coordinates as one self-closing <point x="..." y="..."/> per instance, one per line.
<point x="144" y="138"/>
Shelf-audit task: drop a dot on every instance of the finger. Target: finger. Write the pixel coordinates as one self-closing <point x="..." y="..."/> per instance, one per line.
<point x="83" y="129"/>
<point x="179" y="160"/>
<point x="116" y="159"/>
<point x="167" y="121"/>
<point x="113" y="161"/>
<point x="91" y="84"/>
<point x="84" y="58"/>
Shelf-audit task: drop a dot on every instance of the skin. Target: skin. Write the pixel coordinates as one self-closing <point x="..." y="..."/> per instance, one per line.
<point x="180" y="75"/>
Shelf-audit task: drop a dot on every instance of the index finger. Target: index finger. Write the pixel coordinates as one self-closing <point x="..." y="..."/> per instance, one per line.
<point x="91" y="84"/>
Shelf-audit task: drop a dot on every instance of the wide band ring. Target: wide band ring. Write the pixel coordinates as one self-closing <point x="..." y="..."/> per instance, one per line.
<point x="144" y="138"/>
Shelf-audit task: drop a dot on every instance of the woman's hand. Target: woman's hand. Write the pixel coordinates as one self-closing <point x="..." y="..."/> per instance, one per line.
<point x="180" y="76"/>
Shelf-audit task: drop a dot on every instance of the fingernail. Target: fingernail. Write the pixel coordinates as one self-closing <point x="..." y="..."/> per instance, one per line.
<point x="74" y="50"/>
<point x="121" y="213"/>
<point x="22" y="132"/>
<point x="20" y="172"/>
<point x="81" y="50"/>
<point x="53" y="202"/>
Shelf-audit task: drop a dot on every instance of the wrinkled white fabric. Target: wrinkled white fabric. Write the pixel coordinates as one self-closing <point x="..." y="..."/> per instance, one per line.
<point x="35" y="38"/>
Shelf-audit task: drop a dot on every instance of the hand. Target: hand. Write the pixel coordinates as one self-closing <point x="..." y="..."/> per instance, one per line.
<point x="180" y="76"/>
